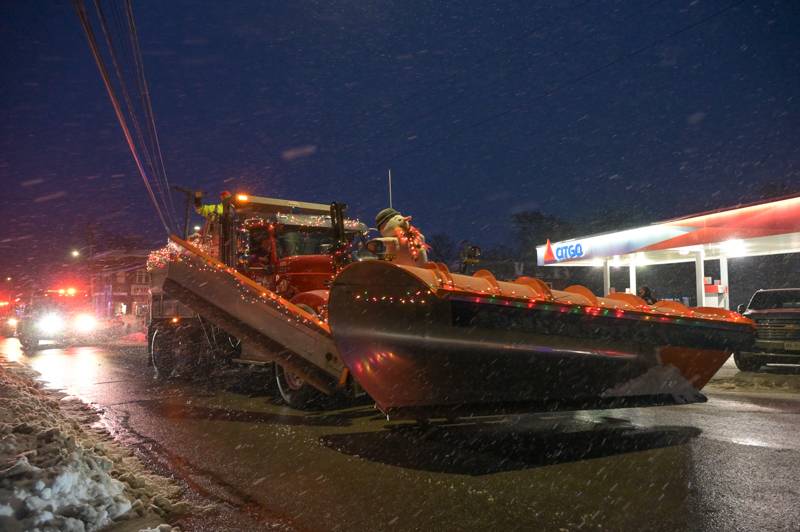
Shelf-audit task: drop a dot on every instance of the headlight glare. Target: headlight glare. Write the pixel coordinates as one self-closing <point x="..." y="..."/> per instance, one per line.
<point x="51" y="324"/>
<point x="85" y="323"/>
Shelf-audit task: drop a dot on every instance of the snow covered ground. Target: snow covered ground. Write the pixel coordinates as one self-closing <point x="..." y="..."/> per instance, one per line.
<point x="59" y="473"/>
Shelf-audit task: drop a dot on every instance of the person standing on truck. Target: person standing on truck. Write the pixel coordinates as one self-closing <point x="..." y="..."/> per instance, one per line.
<point x="212" y="211"/>
<point x="223" y="238"/>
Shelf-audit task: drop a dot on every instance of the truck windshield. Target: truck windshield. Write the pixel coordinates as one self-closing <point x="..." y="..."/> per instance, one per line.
<point x="306" y="242"/>
<point x="776" y="300"/>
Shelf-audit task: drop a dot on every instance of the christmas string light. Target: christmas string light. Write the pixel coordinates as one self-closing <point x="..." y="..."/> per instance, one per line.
<point x="247" y="293"/>
<point x="412" y="239"/>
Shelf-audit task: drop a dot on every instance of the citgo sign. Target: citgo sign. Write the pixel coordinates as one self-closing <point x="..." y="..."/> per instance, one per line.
<point x="562" y="252"/>
<point x="570" y="251"/>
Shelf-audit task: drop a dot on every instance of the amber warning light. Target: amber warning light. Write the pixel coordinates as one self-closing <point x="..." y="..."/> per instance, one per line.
<point x="242" y="197"/>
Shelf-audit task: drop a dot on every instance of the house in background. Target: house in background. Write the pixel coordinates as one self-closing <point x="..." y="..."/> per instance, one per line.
<point x="120" y="286"/>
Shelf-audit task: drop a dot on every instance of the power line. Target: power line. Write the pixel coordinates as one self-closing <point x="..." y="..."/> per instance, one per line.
<point x="132" y="113"/>
<point x="87" y="28"/>
<point x="126" y="25"/>
<point x="144" y="88"/>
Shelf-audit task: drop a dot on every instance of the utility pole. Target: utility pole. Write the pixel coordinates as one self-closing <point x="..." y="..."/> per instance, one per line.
<point x="188" y="212"/>
<point x="90" y="262"/>
<point x="390" y="188"/>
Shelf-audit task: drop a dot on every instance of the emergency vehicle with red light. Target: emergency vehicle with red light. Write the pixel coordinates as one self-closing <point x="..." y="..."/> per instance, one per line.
<point x="60" y="316"/>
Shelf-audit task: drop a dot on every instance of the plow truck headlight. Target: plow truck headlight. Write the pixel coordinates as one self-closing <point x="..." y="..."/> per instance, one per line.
<point x="12" y="322"/>
<point x="85" y="323"/>
<point x="51" y="324"/>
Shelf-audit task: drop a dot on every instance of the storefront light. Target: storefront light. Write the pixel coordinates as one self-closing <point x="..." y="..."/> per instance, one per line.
<point x="641" y="260"/>
<point x="733" y="248"/>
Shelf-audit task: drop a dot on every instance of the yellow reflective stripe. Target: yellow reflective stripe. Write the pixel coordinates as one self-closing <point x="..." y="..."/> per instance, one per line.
<point x="210" y="210"/>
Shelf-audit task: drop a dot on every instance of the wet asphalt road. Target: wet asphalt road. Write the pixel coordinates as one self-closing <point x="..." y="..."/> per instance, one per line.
<point x="730" y="464"/>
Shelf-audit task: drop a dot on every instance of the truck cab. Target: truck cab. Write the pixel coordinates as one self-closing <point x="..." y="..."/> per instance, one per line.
<point x="293" y="248"/>
<point x="776" y="313"/>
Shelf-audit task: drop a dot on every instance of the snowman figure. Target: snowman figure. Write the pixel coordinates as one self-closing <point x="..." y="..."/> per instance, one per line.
<point x="410" y="246"/>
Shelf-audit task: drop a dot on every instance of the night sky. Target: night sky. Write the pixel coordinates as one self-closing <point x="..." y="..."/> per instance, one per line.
<point x="481" y="110"/>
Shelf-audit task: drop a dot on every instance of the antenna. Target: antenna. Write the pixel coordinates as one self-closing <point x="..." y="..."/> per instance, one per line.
<point x="390" y="188"/>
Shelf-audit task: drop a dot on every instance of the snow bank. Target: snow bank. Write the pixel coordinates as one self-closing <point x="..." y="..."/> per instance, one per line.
<point x="48" y="480"/>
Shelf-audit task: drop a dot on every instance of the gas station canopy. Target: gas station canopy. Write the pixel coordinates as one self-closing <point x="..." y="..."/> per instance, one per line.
<point x="765" y="228"/>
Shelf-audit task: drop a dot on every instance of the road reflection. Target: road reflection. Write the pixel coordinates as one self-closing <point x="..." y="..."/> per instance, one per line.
<point x="11" y="349"/>
<point x="72" y="369"/>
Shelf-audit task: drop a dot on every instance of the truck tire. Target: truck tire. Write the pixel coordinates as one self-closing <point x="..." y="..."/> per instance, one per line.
<point x="180" y="351"/>
<point x="747" y="362"/>
<point x="162" y="352"/>
<point x="294" y="391"/>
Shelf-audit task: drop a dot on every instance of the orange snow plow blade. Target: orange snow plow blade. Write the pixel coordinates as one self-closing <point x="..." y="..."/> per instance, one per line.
<point x="424" y="342"/>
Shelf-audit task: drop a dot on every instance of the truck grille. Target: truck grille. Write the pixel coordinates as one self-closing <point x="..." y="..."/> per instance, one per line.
<point x="778" y="329"/>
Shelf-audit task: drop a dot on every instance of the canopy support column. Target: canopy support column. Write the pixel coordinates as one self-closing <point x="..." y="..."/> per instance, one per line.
<point x="632" y="276"/>
<point x="699" y="277"/>
<point x="606" y="277"/>
<point x="723" y="280"/>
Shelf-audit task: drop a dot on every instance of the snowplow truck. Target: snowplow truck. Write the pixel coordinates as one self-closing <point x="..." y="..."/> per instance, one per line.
<point x="298" y="285"/>
<point x="253" y="285"/>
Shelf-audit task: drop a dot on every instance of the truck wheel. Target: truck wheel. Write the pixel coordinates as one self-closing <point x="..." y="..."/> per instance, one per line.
<point x="162" y="353"/>
<point x="747" y="363"/>
<point x="294" y="391"/>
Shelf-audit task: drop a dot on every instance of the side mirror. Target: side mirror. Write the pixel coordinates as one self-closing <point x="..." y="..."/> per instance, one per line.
<point x="383" y="248"/>
<point x="741" y="308"/>
<point x="376" y="247"/>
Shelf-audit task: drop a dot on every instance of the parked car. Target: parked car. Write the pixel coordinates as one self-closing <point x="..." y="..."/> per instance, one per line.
<point x="777" y="316"/>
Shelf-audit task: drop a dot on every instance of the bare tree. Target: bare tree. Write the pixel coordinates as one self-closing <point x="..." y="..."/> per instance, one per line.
<point x="533" y="228"/>
<point x="443" y="248"/>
